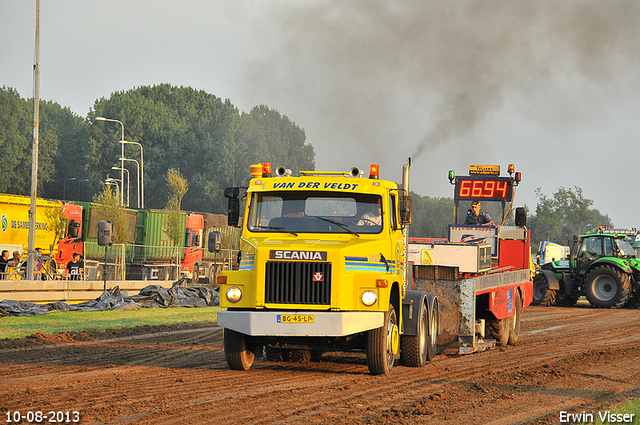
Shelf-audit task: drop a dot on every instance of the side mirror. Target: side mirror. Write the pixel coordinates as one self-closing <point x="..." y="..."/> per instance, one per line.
<point x="233" y="208"/>
<point x="521" y="217"/>
<point x="406" y="210"/>
<point x="215" y="242"/>
<point x="105" y="233"/>
<point x="73" y="230"/>
<point x="233" y="213"/>
<point x="232" y="192"/>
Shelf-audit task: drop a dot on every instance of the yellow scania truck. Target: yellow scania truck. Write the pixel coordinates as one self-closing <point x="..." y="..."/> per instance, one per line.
<point x="322" y="268"/>
<point x="325" y="265"/>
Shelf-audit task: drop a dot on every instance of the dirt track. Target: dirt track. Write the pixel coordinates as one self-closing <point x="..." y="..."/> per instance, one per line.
<point x="569" y="359"/>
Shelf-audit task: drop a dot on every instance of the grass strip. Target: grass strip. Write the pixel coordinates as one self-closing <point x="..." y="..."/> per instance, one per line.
<point x="57" y="322"/>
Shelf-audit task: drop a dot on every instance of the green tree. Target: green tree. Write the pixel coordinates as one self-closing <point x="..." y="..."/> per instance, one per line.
<point x="178" y="187"/>
<point x="16" y="142"/>
<point x="108" y="208"/>
<point x="565" y="214"/>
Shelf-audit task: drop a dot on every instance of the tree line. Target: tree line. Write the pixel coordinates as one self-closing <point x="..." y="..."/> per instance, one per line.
<point x="206" y="138"/>
<point x="211" y="145"/>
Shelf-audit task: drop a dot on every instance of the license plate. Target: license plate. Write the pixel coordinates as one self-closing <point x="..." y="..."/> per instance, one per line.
<point x="295" y="318"/>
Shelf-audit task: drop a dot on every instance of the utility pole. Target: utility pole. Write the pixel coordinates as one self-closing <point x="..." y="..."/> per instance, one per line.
<point x="34" y="157"/>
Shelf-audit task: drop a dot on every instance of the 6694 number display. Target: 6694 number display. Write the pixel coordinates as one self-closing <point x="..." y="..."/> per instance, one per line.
<point x="37" y="417"/>
<point x="494" y="189"/>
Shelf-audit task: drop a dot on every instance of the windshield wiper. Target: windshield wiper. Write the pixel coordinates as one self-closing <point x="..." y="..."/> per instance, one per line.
<point x="275" y="228"/>
<point x="337" y="223"/>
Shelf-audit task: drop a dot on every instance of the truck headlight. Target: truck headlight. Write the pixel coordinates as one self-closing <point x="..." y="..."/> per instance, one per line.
<point x="369" y="298"/>
<point x="234" y="294"/>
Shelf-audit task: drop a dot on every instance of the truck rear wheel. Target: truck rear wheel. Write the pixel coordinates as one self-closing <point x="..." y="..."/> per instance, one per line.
<point x="238" y="350"/>
<point x="542" y="295"/>
<point x="514" y="333"/>
<point x="420" y="348"/>
<point x="383" y="344"/>
<point x="606" y="287"/>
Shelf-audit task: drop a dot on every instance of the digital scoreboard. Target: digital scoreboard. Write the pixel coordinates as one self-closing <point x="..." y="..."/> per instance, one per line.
<point x="487" y="188"/>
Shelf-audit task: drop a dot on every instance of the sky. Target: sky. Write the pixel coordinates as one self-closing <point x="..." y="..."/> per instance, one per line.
<point x="552" y="87"/>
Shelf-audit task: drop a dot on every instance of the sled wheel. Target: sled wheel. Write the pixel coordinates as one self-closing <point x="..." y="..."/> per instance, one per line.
<point x="238" y="350"/>
<point x="383" y="344"/>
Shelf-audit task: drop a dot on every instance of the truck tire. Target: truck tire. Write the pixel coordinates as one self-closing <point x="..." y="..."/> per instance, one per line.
<point x="416" y="350"/>
<point x="237" y="350"/>
<point x="607" y="287"/>
<point x="514" y="333"/>
<point x="499" y="329"/>
<point x="542" y="295"/>
<point x="383" y="344"/>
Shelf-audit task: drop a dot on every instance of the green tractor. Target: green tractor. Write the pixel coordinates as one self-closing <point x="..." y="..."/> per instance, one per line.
<point x="602" y="266"/>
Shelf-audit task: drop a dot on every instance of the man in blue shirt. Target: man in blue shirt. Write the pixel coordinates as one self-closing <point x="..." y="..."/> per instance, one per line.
<point x="475" y="217"/>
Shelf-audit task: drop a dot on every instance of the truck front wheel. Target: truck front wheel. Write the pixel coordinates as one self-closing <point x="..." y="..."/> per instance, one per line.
<point x="606" y="287"/>
<point x="383" y="344"/>
<point x="238" y="350"/>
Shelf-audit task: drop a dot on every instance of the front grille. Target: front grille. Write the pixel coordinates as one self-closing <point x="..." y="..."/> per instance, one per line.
<point x="292" y="282"/>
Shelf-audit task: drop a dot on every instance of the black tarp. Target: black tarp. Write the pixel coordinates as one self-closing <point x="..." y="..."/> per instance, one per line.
<point x="151" y="296"/>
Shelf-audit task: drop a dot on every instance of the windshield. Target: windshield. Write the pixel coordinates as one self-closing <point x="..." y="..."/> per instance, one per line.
<point x="315" y="212"/>
<point x="626" y="250"/>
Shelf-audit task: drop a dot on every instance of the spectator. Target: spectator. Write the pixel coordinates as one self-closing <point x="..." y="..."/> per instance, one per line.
<point x="4" y="261"/>
<point x="75" y="267"/>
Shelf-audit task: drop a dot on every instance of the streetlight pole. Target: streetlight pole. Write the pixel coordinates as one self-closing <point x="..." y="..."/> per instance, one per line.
<point x="122" y="156"/>
<point x="78" y="193"/>
<point x="128" y="183"/>
<point x="64" y="188"/>
<point x="138" y="165"/>
<point x="141" y="170"/>
<point x="111" y="182"/>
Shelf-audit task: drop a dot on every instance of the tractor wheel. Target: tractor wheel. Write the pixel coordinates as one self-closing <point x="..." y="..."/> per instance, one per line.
<point x="542" y="295"/>
<point x="606" y="287"/>
<point x="564" y="300"/>
<point x="238" y="350"/>
<point x="500" y="330"/>
<point x="514" y="333"/>
<point x="383" y="344"/>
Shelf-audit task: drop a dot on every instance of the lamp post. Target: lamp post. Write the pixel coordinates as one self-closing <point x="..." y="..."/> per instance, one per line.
<point x="64" y="188"/>
<point x="111" y="182"/>
<point x="78" y="192"/>
<point x="141" y="170"/>
<point x="128" y="183"/>
<point x="122" y="156"/>
<point x="138" y="165"/>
